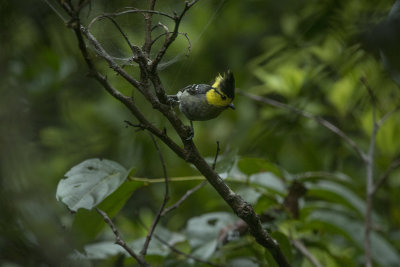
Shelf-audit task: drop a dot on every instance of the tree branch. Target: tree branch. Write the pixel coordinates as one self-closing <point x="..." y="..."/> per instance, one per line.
<point x="303" y="249"/>
<point x="308" y="115"/>
<point x="164" y="202"/>
<point x="190" y="153"/>
<point x="369" y="165"/>
<point x="382" y="179"/>
<point x="119" y="241"/>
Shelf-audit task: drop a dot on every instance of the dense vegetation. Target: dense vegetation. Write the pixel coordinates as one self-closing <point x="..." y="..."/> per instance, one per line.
<point x="313" y="143"/>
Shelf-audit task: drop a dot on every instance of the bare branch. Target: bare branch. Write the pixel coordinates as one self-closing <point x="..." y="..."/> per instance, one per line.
<point x="148" y="19"/>
<point x="175" y="32"/>
<point x="130" y="11"/>
<point x="177" y="251"/>
<point x="135" y="49"/>
<point x="303" y="249"/>
<point x="369" y="166"/>
<point x="189" y="153"/>
<point x="308" y="115"/>
<point x="216" y="156"/>
<point x="394" y="165"/>
<point x="184" y="197"/>
<point x="164" y="202"/>
<point x="119" y="241"/>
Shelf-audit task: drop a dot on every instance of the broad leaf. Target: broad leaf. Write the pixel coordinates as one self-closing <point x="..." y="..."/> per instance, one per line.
<point x="203" y="229"/>
<point x="88" y="223"/>
<point x="89" y="183"/>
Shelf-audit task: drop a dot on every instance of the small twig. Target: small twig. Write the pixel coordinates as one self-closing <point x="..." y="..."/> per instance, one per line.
<point x="308" y="115"/>
<point x="382" y="179"/>
<point x="172" y="248"/>
<point x="183" y="198"/>
<point x="148" y="20"/>
<point x="181" y="33"/>
<point x="303" y="249"/>
<point x="216" y="156"/>
<point x="177" y="251"/>
<point x="194" y="189"/>
<point x="135" y="49"/>
<point x="119" y="241"/>
<point x="164" y="202"/>
<point x="139" y="126"/>
<point x="132" y="10"/>
<point x="369" y="165"/>
<point x="175" y="32"/>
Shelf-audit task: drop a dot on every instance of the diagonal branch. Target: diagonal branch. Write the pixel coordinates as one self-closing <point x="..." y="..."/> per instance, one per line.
<point x="189" y="153"/>
<point x="308" y="115"/>
<point x="382" y="179"/>
<point x="119" y="241"/>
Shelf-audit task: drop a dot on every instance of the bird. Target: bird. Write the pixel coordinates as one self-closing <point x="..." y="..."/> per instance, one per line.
<point x="202" y="102"/>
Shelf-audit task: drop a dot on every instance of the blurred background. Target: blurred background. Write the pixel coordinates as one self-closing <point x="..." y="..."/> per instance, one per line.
<point x="309" y="54"/>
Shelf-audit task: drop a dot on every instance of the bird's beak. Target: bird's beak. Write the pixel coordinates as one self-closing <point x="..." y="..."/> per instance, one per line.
<point x="231" y="106"/>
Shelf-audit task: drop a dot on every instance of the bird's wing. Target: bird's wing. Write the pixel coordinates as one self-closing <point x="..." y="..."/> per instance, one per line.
<point x="196" y="89"/>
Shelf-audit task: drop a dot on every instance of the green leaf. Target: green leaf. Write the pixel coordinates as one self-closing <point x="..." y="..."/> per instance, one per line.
<point x="89" y="183"/>
<point x="268" y="180"/>
<point x="338" y="194"/>
<point x="382" y="251"/>
<point x="203" y="229"/>
<point x="284" y="244"/>
<point x="88" y="223"/>
<point x="155" y="246"/>
<point x="240" y="262"/>
<point x="99" y="251"/>
<point x="255" y="165"/>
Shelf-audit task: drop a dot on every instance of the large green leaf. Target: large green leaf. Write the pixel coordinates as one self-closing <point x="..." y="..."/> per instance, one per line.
<point x="382" y="251"/>
<point x="203" y="230"/>
<point x="269" y="181"/>
<point x="89" y="183"/>
<point x="88" y="223"/>
<point x="336" y="193"/>
<point x="255" y="165"/>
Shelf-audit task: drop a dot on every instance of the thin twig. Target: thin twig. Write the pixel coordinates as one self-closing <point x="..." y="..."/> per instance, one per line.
<point x="148" y="21"/>
<point x="164" y="202"/>
<point x="130" y="11"/>
<point x="308" y="115"/>
<point x="175" y="32"/>
<point x="177" y="251"/>
<point x="369" y="165"/>
<point x="181" y="33"/>
<point x="119" y="241"/>
<point x="184" y="197"/>
<point x="194" y="189"/>
<point x="303" y="249"/>
<point x="216" y="156"/>
<point x="382" y="179"/>
<point x="135" y="49"/>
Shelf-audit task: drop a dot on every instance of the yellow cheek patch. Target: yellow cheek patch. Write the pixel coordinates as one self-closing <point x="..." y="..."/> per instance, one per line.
<point x="217" y="99"/>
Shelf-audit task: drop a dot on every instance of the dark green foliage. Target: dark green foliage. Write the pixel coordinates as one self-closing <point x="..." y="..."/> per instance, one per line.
<point x="307" y="54"/>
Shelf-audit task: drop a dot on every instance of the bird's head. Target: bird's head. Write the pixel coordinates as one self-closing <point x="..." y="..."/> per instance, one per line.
<point x="223" y="91"/>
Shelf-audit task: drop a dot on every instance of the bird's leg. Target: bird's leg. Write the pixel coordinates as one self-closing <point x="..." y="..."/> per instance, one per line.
<point x="191" y="131"/>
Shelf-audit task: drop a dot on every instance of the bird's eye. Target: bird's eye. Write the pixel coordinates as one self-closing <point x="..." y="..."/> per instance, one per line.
<point x="223" y="97"/>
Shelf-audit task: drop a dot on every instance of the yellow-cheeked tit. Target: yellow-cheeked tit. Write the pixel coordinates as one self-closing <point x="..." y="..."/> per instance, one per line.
<point x="201" y="102"/>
